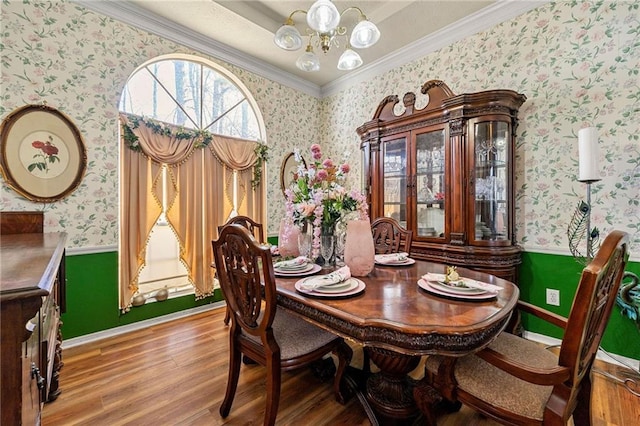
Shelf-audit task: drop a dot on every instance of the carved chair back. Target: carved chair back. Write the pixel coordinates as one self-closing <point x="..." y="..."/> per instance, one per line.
<point x="254" y="227"/>
<point x="390" y="237"/>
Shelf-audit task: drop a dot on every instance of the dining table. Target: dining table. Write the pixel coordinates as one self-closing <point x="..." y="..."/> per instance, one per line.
<point x="398" y="321"/>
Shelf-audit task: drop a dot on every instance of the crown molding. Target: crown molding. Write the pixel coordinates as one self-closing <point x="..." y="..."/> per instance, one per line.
<point x="138" y="17"/>
<point x="484" y="19"/>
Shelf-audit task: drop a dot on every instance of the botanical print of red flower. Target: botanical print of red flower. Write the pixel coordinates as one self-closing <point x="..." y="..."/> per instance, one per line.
<point x="46" y="155"/>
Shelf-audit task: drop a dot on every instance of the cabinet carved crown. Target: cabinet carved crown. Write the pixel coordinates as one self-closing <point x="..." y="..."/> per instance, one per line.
<point x="446" y="172"/>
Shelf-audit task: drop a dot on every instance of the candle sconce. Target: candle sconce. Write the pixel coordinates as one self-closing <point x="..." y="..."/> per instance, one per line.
<point x="628" y="297"/>
<point x="579" y="227"/>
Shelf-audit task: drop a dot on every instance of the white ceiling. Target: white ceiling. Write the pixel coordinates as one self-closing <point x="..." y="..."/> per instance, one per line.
<point x="241" y="32"/>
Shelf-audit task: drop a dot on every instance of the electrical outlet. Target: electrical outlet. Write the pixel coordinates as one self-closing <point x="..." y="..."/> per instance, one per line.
<point x="553" y="297"/>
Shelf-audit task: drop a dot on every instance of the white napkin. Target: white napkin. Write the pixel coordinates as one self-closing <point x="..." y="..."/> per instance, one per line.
<point x="468" y="282"/>
<point x="292" y="263"/>
<point x="336" y="277"/>
<point x="392" y="258"/>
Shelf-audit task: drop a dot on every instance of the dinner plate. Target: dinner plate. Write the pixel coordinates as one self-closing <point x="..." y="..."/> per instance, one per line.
<point x="456" y="289"/>
<point x="347" y="285"/>
<point x="355" y="287"/>
<point x="409" y="261"/>
<point x="301" y="268"/>
<point x="312" y="268"/>
<point x="427" y="286"/>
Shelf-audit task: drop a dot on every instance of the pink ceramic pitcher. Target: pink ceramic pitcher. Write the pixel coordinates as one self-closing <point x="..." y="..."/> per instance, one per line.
<point x="359" y="252"/>
<point x="288" y="238"/>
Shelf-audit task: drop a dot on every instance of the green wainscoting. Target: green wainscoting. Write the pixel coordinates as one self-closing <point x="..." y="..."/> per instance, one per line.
<point x="92" y="297"/>
<point x="541" y="271"/>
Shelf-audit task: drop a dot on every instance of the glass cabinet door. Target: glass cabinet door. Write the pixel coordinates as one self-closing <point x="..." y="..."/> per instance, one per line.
<point x="491" y="156"/>
<point x="430" y="183"/>
<point x="394" y="160"/>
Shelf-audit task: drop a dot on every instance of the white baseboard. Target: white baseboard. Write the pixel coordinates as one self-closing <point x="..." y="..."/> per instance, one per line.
<point x="603" y="356"/>
<point x="88" y="338"/>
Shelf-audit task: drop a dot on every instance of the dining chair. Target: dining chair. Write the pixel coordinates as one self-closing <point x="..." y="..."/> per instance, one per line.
<point x="256" y="230"/>
<point x="272" y="337"/>
<point x="390" y="237"/>
<point x="517" y="381"/>
<point x="254" y="227"/>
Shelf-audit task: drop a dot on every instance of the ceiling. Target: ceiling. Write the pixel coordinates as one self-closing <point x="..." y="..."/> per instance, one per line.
<point x="245" y="29"/>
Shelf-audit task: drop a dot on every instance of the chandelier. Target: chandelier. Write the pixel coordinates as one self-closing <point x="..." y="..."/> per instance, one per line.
<point x="325" y="31"/>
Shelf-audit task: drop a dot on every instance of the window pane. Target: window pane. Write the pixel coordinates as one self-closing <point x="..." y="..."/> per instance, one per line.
<point x="240" y="122"/>
<point x="181" y="80"/>
<point x="219" y="94"/>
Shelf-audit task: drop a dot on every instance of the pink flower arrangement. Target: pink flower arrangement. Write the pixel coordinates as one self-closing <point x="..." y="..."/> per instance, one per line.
<point x="319" y="199"/>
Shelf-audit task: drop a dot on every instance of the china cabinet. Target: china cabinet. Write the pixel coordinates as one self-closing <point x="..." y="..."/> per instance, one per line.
<point x="445" y="171"/>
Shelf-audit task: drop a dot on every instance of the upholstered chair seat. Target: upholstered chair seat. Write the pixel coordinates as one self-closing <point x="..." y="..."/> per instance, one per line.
<point x="484" y="381"/>
<point x="295" y="336"/>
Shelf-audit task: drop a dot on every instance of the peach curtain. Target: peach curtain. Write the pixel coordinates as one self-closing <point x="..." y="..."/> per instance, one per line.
<point x="239" y="157"/>
<point x="195" y="206"/>
<point x="138" y="213"/>
<point x="194" y="219"/>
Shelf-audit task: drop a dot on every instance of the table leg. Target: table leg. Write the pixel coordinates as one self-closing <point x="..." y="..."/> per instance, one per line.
<point x="390" y="392"/>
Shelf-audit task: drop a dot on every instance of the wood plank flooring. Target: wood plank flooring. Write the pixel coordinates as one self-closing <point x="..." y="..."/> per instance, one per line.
<point x="175" y="373"/>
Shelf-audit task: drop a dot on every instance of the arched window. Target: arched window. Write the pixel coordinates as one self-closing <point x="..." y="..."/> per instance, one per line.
<point x="194" y="95"/>
<point x="190" y="131"/>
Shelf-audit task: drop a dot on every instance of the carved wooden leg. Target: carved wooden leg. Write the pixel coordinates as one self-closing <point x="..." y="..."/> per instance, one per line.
<point x="582" y="412"/>
<point x="54" y="386"/>
<point x="341" y="390"/>
<point x="427" y="398"/>
<point x="227" y="317"/>
<point x="390" y="392"/>
<point x="232" y="381"/>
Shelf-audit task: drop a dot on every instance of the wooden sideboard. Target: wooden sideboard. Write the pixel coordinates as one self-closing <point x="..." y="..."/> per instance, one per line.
<point x="31" y="299"/>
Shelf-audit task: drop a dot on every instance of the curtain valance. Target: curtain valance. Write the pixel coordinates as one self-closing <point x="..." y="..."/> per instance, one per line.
<point x="169" y="144"/>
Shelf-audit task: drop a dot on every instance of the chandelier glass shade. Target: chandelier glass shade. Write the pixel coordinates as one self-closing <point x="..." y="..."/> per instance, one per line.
<point x="325" y="31"/>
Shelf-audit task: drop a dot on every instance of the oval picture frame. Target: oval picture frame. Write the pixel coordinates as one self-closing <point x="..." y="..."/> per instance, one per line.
<point x="42" y="155"/>
<point x="287" y="170"/>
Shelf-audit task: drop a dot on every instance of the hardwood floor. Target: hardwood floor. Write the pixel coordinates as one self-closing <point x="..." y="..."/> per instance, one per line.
<point x="175" y="373"/>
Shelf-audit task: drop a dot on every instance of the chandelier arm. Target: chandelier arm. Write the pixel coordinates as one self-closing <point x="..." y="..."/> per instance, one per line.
<point x="289" y="20"/>
<point x="362" y="15"/>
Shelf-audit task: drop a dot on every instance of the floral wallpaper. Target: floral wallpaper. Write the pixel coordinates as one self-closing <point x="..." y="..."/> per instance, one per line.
<point x="78" y="62"/>
<point x="577" y="63"/>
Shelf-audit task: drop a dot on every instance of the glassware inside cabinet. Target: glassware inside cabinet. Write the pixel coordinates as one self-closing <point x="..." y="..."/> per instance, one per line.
<point x="395" y="180"/>
<point x="430" y="183"/>
<point x="492" y="147"/>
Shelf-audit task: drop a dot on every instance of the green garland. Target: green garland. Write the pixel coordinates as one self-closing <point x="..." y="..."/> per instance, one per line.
<point x="262" y="152"/>
<point x="202" y="137"/>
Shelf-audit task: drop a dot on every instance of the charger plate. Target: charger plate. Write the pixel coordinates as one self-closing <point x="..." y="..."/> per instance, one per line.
<point x="431" y="288"/>
<point x="353" y="287"/>
<point x="311" y="269"/>
<point x="407" y="262"/>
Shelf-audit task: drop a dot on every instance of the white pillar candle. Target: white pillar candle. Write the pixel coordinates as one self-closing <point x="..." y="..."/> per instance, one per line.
<point x="588" y="154"/>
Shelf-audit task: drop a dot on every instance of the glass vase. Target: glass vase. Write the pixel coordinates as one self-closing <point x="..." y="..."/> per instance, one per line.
<point x="327" y="244"/>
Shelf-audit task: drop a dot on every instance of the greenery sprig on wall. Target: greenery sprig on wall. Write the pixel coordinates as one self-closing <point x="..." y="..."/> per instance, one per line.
<point x="262" y="152"/>
<point x="202" y="137"/>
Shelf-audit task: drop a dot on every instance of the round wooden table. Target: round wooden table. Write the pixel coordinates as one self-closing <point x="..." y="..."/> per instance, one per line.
<point x="397" y="322"/>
